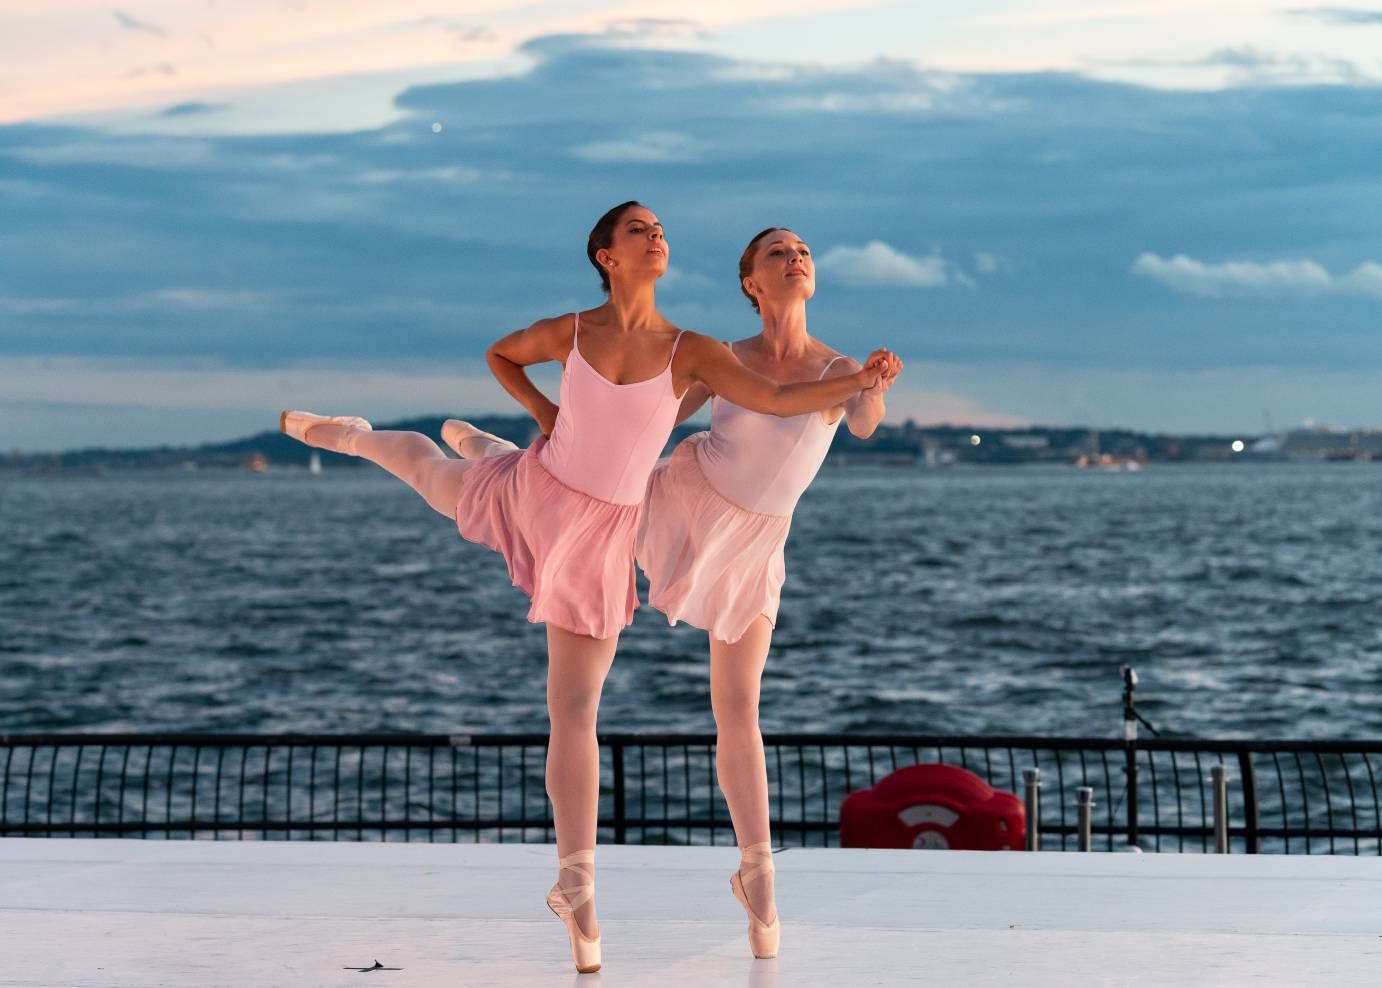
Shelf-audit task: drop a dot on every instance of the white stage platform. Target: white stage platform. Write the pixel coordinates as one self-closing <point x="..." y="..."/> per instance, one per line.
<point x="125" y="913"/>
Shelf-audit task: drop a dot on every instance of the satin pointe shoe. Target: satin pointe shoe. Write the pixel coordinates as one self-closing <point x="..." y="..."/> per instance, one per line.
<point x="756" y="860"/>
<point x="296" y="424"/>
<point x="454" y="432"/>
<point x="585" y="951"/>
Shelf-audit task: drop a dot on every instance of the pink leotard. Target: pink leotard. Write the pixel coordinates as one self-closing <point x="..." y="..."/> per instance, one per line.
<point x="608" y="436"/>
<point x="763" y="463"/>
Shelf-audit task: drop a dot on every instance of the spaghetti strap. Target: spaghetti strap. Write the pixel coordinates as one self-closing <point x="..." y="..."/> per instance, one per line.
<point x="829" y="365"/>
<point x="674" y="349"/>
<point x="575" y="336"/>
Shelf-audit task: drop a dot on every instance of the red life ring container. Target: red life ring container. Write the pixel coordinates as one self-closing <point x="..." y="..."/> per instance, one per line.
<point x="933" y="806"/>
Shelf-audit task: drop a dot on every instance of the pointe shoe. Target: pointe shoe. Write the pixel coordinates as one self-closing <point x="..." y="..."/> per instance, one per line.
<point x="763" y="937"/>
<point x="585" y="951"/>
<point x="296" y="424"/>
<point x="454" y="432"/>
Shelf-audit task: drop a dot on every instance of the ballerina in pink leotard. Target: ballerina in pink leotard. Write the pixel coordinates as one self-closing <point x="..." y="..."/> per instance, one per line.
<point x="717" y="517"/>
<point x="564" y="512"/>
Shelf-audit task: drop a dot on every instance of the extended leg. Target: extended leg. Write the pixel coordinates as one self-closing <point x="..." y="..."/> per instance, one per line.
<point x="409" y="456"/>
<point x="735" y="673"/>
<point x="471" y="443"/>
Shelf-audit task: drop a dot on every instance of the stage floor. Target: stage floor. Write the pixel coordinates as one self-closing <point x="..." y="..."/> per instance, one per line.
<point x="202" y="914"/>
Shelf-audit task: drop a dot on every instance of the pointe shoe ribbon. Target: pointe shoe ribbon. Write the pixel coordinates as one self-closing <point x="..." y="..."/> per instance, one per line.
<point x="296" y="424"/>
<point x="585" y="951"/>
<point x="756" y="860"/>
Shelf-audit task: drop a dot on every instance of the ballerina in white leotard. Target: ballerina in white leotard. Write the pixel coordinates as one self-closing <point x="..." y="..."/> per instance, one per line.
<point x="716" y="519"/>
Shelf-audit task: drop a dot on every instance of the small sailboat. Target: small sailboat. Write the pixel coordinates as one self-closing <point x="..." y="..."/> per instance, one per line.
<point x="314" y="463"/>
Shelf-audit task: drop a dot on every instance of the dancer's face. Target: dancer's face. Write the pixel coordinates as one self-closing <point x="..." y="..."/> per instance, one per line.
<point x="783" y="270"/>
<point x="638" y="249"/>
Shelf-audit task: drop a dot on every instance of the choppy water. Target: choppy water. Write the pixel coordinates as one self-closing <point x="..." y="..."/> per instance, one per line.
<point x="971" y="601"/>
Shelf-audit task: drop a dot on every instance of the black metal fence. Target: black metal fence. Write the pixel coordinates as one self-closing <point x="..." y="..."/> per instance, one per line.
<point x="1284" y="796"/>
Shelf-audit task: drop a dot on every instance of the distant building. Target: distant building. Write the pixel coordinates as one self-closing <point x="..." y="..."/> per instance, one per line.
<point x="1324" y="443"/>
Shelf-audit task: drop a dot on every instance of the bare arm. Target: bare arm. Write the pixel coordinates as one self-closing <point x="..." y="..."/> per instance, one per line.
<point x="721" y="372"/>
<point x="865" y="410"/>
<point x="696" y="396"/>
<point x="546" y="339"/>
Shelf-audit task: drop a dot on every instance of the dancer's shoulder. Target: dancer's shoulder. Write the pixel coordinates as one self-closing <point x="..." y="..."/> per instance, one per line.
<point x="545" y="339"/>
<point x="698" y="345"/>
<point x="556" y="333"/>
<point x="835" y="364"/>
<point x="555" y="325"/>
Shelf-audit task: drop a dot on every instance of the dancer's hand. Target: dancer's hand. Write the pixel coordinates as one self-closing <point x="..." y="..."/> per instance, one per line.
<point x="886" y="379"/>
<point x="546" y="416"/>
<point x="873" y="369"/>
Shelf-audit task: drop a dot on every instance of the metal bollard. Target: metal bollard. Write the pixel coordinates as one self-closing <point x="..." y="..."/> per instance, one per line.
<point x="1031" y="780"/>
<point x="1084" y="802"/>
<point x="1218" y="778"/>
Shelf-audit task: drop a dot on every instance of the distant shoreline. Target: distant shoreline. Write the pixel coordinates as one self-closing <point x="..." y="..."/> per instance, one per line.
<point x="905" y="444"/>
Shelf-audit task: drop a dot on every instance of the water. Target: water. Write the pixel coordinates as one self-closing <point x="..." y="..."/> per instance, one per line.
<point x="1249" y="598"/>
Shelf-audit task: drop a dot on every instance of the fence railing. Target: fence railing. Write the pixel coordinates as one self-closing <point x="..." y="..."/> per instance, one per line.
<point x="1283" y="796"/>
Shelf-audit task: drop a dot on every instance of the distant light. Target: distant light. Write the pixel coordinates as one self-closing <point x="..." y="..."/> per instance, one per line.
<point x="436" y="128"/>
<point x="1238" y="445"/>
<point x="974" y="440"/>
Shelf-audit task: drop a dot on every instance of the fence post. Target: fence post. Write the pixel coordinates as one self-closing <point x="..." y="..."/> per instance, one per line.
<point x="1084" y="802"/>
<point x="1130" y="749"/>
<point x="1250" y="821"/>
<point x="616" y="751"/>
<point x="1031" y="781"/>
<point x="1218" y="778"/>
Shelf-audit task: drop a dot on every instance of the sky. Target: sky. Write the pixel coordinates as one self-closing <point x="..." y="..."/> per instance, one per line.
<point x="1157" y="215"/>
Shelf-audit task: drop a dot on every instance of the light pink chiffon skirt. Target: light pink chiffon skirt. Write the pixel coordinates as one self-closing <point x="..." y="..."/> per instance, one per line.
<point x="572" y="554"/>
<point x="709" y="562"/>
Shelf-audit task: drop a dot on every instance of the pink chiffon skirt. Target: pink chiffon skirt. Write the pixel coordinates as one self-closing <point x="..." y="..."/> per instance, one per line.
<point x="709" y="562"/>
<point x="572" y="554"/>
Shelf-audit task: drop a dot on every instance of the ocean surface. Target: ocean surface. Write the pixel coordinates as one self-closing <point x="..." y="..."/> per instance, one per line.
<point x="969" y="600"/>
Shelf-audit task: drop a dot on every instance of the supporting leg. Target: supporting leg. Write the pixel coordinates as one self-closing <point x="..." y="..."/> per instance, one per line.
<point x="576" y="670"/>
<point x="735" y="674"/>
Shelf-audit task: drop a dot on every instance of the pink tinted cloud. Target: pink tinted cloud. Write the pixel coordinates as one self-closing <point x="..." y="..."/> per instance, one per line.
<point x="71" y="56"/>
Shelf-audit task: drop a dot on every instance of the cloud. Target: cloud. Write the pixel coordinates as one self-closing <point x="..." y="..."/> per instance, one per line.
<point x="53" y="403"/>
<point x="1301" y="278"/>
<point x="192" y="109"/>
<point x="878" y="264"/>
<point x="627" y="33"/>
<point x="1253" y="66"/>
<point x="207" y="298"/>
<point x="137" y="152"/>
<point x="646" y="28"/>
<point x="444" y="173"/>
<point x="921" y="401"/>
<point x="986" y="263"/>
<point x="133" y="24"/>
<point x="678" y="277"/>
<point x="394" y="243"/>
<point x="1346" y="16"/>
<point x="167" y="69"/>
<point x="464" y="32"/>
<point x="28" y="306"/>
<point x="658" y="147"/>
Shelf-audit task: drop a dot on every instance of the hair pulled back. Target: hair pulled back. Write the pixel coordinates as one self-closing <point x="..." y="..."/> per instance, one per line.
<point x="602" y="235"/>
<point x="746" y="262"/>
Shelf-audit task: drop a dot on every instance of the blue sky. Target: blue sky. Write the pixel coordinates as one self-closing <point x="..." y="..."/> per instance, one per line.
<point x="1183" y="235"/>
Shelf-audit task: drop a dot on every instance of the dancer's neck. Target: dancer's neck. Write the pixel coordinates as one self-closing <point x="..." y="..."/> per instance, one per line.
<point x="784" y="335"/>
<point x="632" y="306"/>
